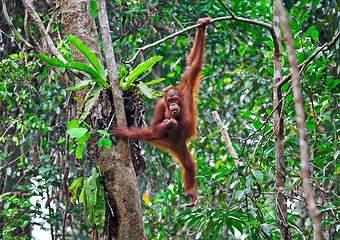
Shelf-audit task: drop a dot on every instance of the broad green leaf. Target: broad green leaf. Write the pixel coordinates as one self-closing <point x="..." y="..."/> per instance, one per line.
<point x="328" y="207"/>
<point x="314" y="3"/>
<point x="80" y="85"/>
<point x="141" y="68"/>
<point x="335" y="83"/>
<point x="90" y="99"/>
<point x="310" y="125"/>
<point x="315" y="35"/>
<point x="256" y="123"/>
<point x="83" y="139"/>
<point x="103" y="132"/>
<point x="61" y="140"/>
<point x="77" y="132"/>
<point x="79" y="151"/>
<point x="74" y="187"/>
<point x="76" y="183"/>
<point x="90" y="56"/>
<point x="309" y="31"/>
<point x="270" y="70"/>
<point x="294" y="25"/>
<point x="270" y="43"/>
<point x="82" y="196"/>
<point x="72" y="124"/>
<point x="237" y="224"/>
<point x="95" y="76"/>
<point x="105" y="142"/>
<point x="217" y="230"/>
<point x="258" y="174"/>
<point x="154" y="81"/>
<point x="54" y="62"/>
<point x="146" y="90"/>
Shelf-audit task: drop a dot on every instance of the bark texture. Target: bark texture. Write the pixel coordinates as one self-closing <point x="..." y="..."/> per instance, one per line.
<point x="281" y="202"/>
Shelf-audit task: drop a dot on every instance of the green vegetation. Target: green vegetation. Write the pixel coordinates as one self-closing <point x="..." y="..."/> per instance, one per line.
<point x="37" y="136"/>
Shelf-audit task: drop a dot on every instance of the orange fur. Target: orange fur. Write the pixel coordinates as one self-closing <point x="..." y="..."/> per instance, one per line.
<point x="175" y="137"/>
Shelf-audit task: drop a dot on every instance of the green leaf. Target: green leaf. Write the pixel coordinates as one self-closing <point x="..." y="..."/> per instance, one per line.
<point x="79" y="151"/>
<point x="61" y="140"/>
<point x="141" y="68"/>
<point x="74" y="187"/>
<point x="270" y="70"/>
<point x="328" y="207"/>
<point x="154" y="81"/>
<point x="270" y="43"/>
<point x="90" y="99"/>
<point x="82" y="196"/>
<point x="54" y="62"/>
<point x="76" y="183"/>
<point x="315" y="3"/>
<point x="256" y="123"/>
<point x="315" y="35"/>
<point x="90" y="56"/>
<point x="309" y="31"/>
<point x="103" y="132"/>
<point x="217" y="230"/>
<point x="335" y="83"/>
<point x="258" y="174"/>
<point x="77" y="132"/>
<point x="310" y="125"/>
<point x="303" y="3"/>
<point x="105" y="142"/>
<point x="294" y="25"/>
<point x="72" y="124"/>
<point x="146" y="90"/>
<point x="95" y="76"/>
<point x="80" y="85"/>
<point x="83" y="139"/>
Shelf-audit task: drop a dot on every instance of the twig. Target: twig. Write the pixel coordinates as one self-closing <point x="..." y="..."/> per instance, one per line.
<point x="226" y="7"/>
<point x="225" y="136"/>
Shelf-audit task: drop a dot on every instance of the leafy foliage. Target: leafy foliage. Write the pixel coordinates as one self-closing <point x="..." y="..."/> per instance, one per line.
<point x="237" y="82"/>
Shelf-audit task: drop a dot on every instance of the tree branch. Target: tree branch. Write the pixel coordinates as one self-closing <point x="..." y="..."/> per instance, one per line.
<point x="225" y="136"/>
<point x="301" y="124"/>
<point x="233" y="17"/>
<point x="8" y="19"/>
<point x="39" y="24"/>
<point x="226" y="7"/>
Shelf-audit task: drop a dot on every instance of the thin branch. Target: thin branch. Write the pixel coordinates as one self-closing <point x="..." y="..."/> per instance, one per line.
<point x="225" y="136"/>
<point x="27" y="29"/>
<point x="39" y="24"/>
<point x="239" y="19"/>
<point x="226" y="7"/>
<point x="54" y="15"/>
<point x="324" y="47"/>
<point x="8" y="19"/>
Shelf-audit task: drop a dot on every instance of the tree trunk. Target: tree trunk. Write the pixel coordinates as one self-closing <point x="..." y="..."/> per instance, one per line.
<point x="281" y="203"/>
<point x="123" y="218"/>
